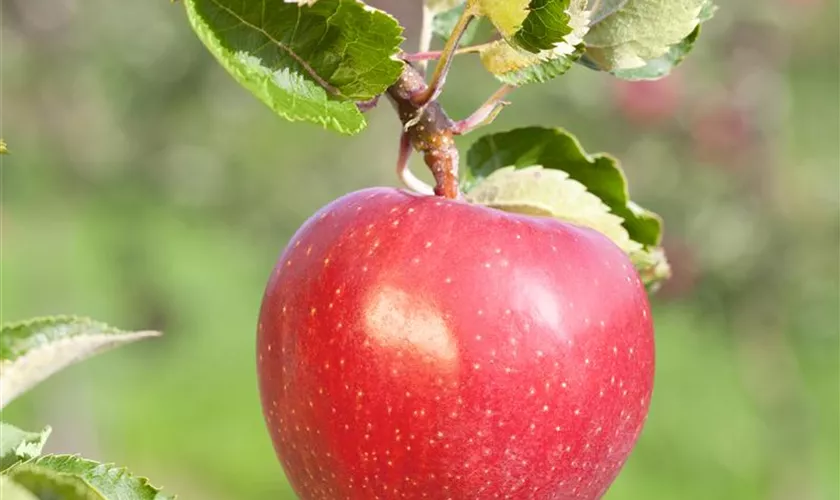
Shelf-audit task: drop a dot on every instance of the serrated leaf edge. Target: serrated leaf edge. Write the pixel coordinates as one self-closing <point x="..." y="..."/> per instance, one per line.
<point x="52" y="474"/>
<point x="109" y="466"/>
<point x="23" y="449"/>
<point x="206" y="33"/>
<point x="599" y="216"/>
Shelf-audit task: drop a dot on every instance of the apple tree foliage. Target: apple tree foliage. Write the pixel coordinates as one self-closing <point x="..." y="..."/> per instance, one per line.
<point x="316" y="61"/>
<point x="320" y="61"/>
<point x="31" y="351"/>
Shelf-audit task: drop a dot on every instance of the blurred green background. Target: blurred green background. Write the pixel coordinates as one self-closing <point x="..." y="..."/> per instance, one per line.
<point x="146" y="189"/>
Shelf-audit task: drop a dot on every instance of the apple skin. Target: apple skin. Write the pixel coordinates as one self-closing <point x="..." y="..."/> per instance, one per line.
<point x="415" y="347"/>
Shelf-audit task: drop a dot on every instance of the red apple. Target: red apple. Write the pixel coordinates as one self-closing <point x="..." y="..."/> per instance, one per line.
<point x="414" y="347"/>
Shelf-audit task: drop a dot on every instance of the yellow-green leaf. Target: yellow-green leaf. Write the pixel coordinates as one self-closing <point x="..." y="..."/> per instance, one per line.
<point x="10" y="490"/>
<point x="551" y="193"/>
<point x="518" y="67"/>
<point x="506" y="15"/>
<point x="544" y="46"/>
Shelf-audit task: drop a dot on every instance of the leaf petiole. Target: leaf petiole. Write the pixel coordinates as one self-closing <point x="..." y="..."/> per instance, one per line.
<point x="437" y="54"/>
<point x="445" y="61"/>
<point x="486" y="113"/>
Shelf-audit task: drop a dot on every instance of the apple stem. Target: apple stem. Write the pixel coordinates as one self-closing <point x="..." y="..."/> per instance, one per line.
<point x="428" y="130"/>
<point x="426" y="127"/>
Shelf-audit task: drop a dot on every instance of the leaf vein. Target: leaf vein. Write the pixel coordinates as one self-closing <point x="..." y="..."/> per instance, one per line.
<point x="285" y="48"/>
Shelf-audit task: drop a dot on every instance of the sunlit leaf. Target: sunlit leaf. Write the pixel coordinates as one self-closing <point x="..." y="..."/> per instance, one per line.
<point x="550" y="192"/>
<point x="33" y="350"/>
<point x="107" y="480"/>
<point x="518" y="67"/>
<point x="537" y="25"/>
<point x="310" y="63"/>
<point x="506" y="15"/>
<point x="543" y="47"/>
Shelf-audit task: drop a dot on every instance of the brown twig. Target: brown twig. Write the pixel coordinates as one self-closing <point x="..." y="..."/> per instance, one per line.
<point x="429" y="131"/>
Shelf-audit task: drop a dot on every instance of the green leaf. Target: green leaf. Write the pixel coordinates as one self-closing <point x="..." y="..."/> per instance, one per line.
<point x="537" y="25"/>
<point x="33" y="350"/>
<point x="17" y="445"/>
<point x="646" y="38"/>
<point x="518" y="67"/>
<point x="544" y="44"/>
<point x="46" y="484"/>
<point x="307" y="63"/>
<point x="547" y="24"/>
<point x="600" y="174"/>
<point x="661" y="66"/>
<point x="549" y="192"/>
<point x="556" y="148"/>
<point x="3" y="149"/>
<point x="107" y="480"/>
<point x="10" y="490"/>
<point x="602" y="9"/>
